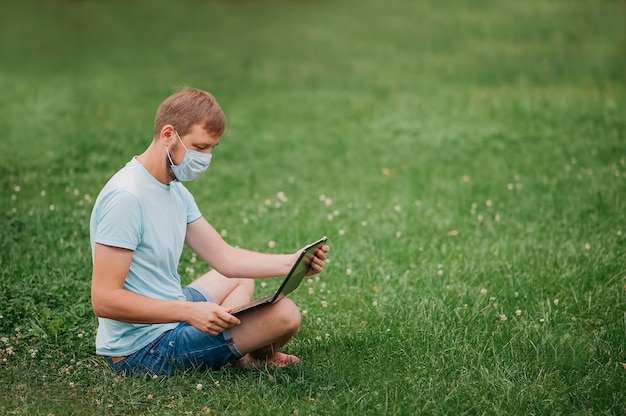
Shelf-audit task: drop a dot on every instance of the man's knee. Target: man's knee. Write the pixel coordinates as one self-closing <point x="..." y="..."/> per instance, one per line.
<point x="248" y="284"/>
<point x="288" y="315"/>
<point x="270" y="325"/>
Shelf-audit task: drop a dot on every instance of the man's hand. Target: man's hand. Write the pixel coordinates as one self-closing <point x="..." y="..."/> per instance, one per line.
<point x="318" y="261"/>
<point x="210" y="317"/>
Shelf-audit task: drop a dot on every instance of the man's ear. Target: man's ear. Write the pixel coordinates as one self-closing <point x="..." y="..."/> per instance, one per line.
<point x="167" y="134"/>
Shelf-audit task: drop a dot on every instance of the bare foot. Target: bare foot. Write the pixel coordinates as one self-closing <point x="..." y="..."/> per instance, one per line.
<point x="247" y="362"/>
<point x="281" y="360"/>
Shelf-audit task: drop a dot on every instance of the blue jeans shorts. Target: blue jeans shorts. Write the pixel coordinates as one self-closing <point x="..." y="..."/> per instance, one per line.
<point x="181" y="348"/>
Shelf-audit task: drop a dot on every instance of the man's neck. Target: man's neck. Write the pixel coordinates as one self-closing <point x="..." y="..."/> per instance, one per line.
<point x="153" y="160"/>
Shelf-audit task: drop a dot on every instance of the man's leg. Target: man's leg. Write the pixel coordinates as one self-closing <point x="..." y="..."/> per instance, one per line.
<point x="227" y="292"/>
<point x="263" y="331"/>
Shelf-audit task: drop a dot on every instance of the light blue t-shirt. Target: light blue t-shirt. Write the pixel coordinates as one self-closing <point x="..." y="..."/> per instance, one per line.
<point x="136" y="212"/>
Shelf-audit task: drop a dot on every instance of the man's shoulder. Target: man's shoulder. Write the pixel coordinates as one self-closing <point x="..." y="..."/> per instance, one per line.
<point x="128" y="179"/>
<point x="125" y="183"/>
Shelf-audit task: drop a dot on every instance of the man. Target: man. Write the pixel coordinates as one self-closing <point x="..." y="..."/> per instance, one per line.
<point x="139" y="223"/>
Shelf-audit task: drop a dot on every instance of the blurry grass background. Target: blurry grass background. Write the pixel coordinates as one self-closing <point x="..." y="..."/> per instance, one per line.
<point x="466" y="159"/>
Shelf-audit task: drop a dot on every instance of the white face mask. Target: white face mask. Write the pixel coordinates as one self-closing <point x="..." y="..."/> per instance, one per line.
<point x="193" y="164"/>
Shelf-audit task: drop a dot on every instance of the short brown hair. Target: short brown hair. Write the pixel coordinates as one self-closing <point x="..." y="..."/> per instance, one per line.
<point x="187" y="108"/>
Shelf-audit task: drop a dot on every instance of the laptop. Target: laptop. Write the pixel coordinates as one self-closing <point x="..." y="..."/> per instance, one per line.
<point x="290" y="283"/>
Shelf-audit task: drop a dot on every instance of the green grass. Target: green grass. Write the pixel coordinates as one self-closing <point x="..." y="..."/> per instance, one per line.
<point x="466" y="159"/>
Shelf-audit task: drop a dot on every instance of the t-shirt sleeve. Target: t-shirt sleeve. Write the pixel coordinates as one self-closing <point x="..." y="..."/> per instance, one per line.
<point x="119" y="222"/>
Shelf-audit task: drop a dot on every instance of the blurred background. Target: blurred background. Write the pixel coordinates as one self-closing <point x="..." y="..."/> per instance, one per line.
<point x="466" y="159"/>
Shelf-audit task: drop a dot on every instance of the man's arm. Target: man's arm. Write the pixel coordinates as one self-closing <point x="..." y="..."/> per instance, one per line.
<point x="110" y="300"/>
<point x="233" y="262"/>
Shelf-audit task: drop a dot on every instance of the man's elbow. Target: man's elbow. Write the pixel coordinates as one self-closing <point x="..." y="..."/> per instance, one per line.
<point x="99" y="306"/>
<point x="98" y="310"/>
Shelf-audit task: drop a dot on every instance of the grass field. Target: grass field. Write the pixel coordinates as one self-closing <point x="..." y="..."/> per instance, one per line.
<point x="467" y="161"/>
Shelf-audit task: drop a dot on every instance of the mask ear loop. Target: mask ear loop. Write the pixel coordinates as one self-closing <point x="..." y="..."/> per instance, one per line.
<point x="167" y="150"/>
<point x="181" y="140"/>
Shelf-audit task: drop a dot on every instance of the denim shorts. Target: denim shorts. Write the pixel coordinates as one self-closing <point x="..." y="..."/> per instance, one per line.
<point x="181" y="348"/>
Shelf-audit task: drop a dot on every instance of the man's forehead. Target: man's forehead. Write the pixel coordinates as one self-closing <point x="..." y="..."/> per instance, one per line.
<point x="198" y="133"/>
